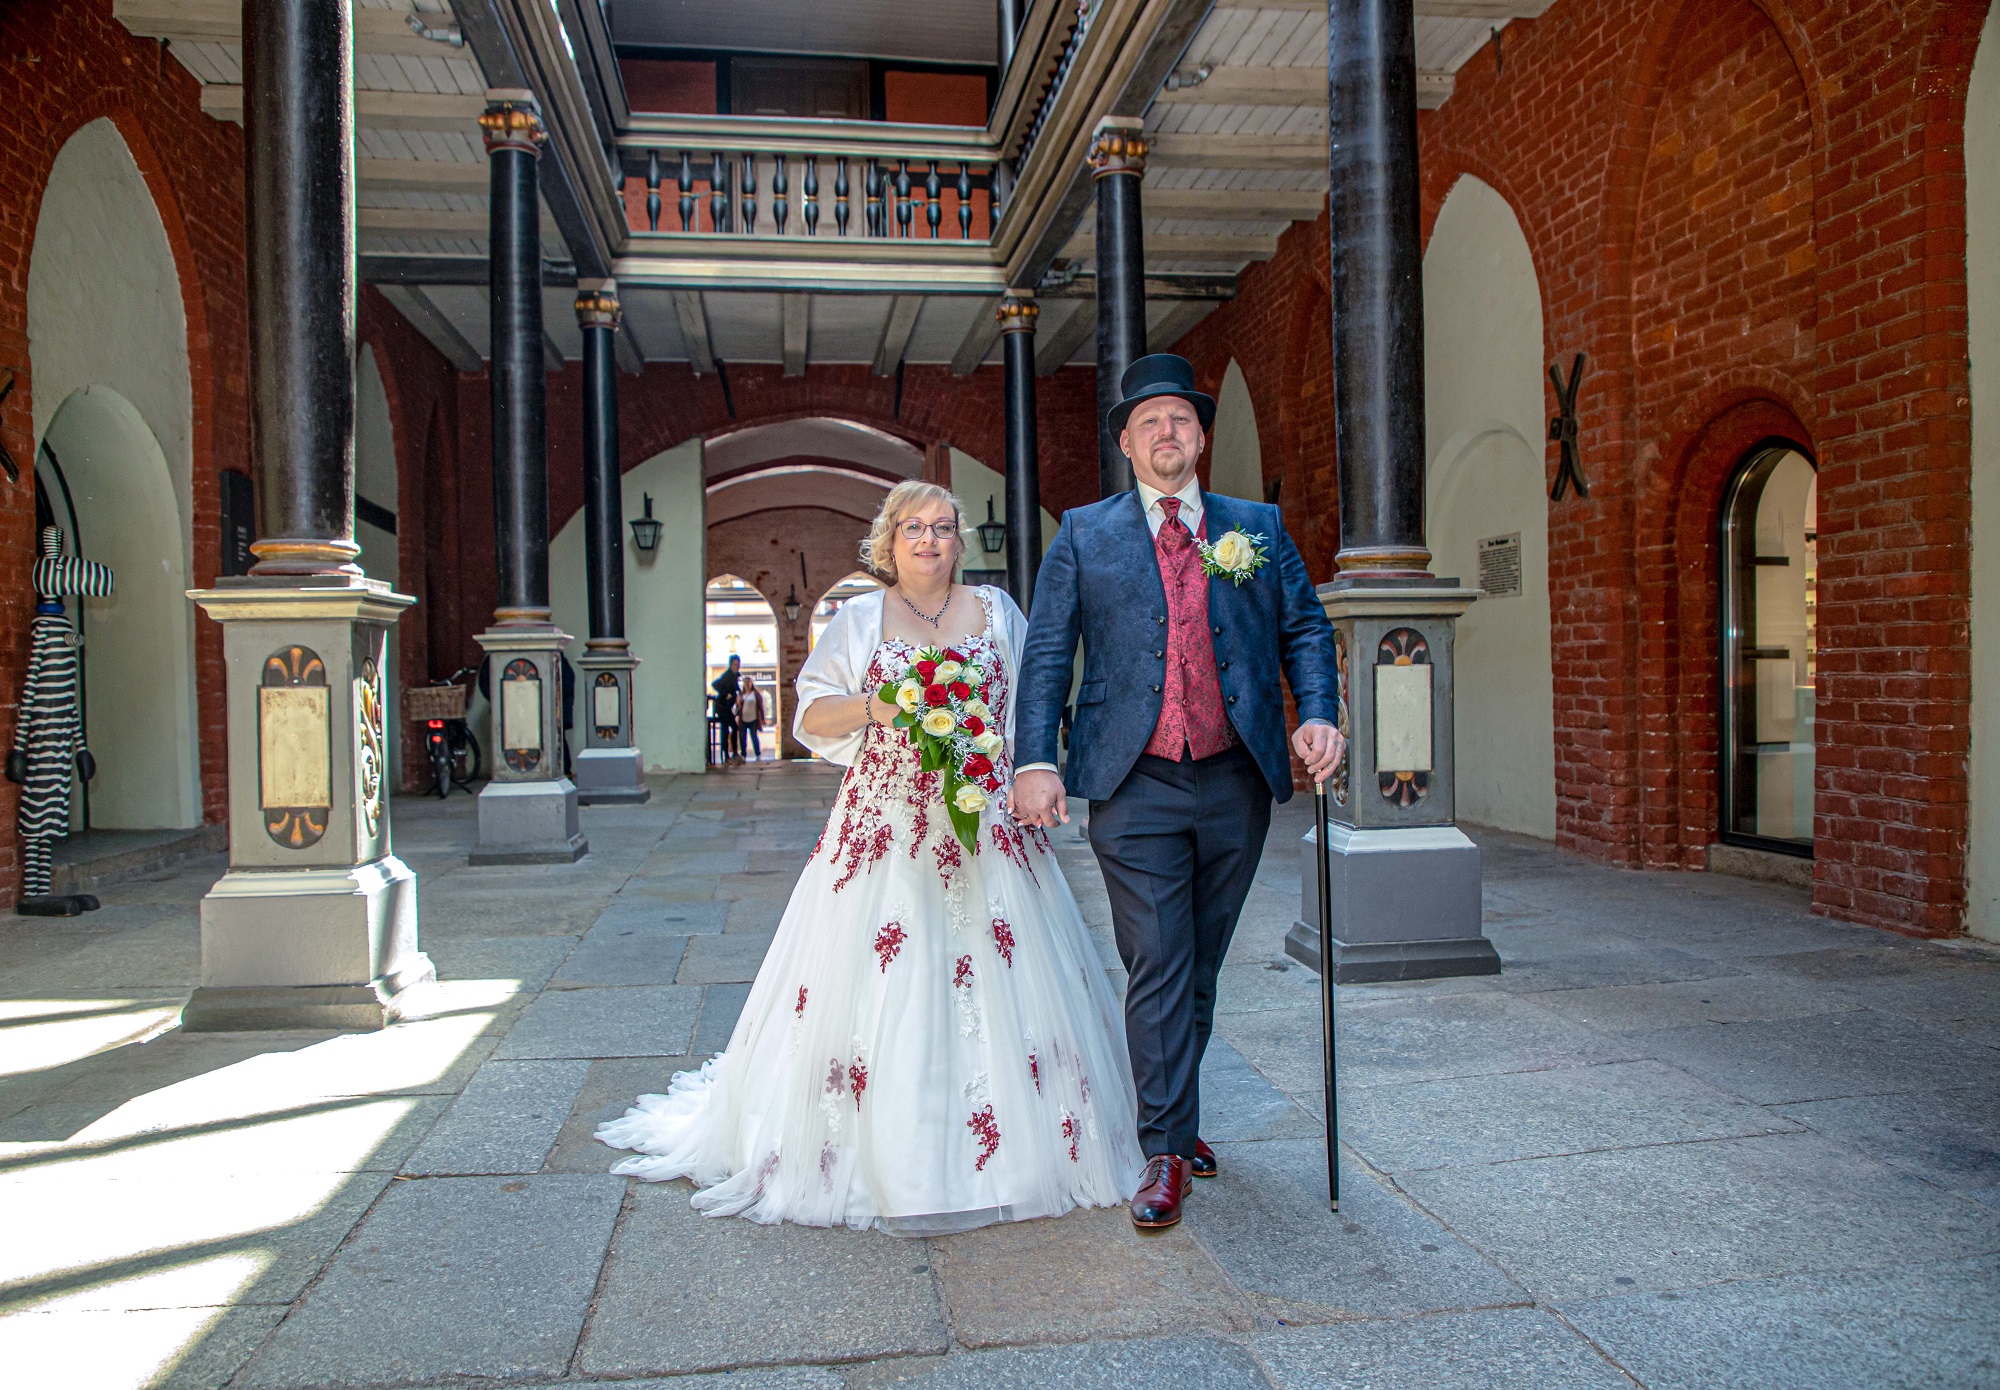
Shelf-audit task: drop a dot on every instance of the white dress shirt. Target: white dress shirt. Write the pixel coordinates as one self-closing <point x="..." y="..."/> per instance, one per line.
<point x="1156" y="515"/>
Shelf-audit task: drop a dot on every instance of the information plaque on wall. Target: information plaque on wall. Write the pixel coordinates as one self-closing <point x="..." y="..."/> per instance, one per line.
<point x="1500" y="565"/>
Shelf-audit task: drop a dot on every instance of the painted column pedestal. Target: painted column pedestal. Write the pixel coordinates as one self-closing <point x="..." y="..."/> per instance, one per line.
<point x="608" y="768"/>
<point x="315" y="923"/>
<point x="1405" y="879"/>
<point x="528" y="811"/>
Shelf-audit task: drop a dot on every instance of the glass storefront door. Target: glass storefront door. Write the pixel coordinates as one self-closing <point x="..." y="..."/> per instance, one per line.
<point x="1769" y="562"/>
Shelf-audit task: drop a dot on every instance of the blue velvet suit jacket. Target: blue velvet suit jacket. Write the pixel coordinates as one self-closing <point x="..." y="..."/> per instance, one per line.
<point x="1101" y="581"/>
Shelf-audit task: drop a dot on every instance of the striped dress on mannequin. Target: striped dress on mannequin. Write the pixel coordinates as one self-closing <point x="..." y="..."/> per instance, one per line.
<point x="48" y="735"/>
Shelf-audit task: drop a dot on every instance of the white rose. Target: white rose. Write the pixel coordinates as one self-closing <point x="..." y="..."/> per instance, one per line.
<point x="1232" y="552"/>
<point x="976" y="707"/>
<point x="939" y="722"/>
<point x="973" y="676"/>
<point x="947" y="671"/>
<point x="908" y="696"/>
<point x="989" y="743"/>
<point x="969" y="799"/>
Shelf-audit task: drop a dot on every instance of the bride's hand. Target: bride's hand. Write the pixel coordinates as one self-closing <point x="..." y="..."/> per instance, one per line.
<point x="1037" y="798"/>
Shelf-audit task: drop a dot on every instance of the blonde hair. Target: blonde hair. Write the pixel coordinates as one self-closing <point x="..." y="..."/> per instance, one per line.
<point x="878" y="547"/>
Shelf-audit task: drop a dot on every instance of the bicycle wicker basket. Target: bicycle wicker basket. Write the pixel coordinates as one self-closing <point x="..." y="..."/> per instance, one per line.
<point x="434" y="701"/>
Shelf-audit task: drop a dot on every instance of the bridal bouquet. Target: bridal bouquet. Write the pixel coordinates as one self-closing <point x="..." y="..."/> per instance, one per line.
<point x="942" y="697"/>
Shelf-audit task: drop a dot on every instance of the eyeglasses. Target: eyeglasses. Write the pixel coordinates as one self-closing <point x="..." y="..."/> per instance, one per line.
<point x="913" y="530"/>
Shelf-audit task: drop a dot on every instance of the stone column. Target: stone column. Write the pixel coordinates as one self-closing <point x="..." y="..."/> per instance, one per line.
<point x="1118" y="163"/>
<point x="1405" y="879"/>
<point x="315" y="923"/>
<point x="1017" y="314"/>
<point x="528" y="812"/>
<point x="608" y="767"/>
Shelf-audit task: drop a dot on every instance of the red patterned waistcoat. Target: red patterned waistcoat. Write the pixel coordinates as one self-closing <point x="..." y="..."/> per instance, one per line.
<point x="1193" y="719"/>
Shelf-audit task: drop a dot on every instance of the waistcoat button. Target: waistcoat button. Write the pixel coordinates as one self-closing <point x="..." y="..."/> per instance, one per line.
<point x="1156" y="690"/>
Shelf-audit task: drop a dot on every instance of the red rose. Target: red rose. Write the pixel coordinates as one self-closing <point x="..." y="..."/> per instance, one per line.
<point x="954" y="654"/>
<point x="926" y="670"/>
<point x="978" y="765"/>
<point x="934" y="695"/>
<point x="992" y="783"/>
<point x="960" y="691"/>
<point x="974" y="725"/>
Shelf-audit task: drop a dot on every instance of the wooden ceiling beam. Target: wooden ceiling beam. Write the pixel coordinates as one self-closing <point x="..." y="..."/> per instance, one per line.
<point x="221" y="21"/>
<point x="796" y="310"/>
<point x="1053" y="350"/>
<point x="693" y="316"/>
<point x="421" y="176"/>
<point x="896" y="329"/>
<point x="388" y="110"/>
<point x="978" y="341"/>
<point x="1234" y="204"/>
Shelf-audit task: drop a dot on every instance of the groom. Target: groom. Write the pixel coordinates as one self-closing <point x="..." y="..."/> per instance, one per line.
<point x="1179" y="734"/>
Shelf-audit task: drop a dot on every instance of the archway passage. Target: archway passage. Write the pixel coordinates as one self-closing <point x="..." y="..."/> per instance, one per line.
<point x="138" y="659"/>
<point x="1235" y="455"/>
<point x="740" y="627"/>
<point x="1488" y="517"/>
<point x="1770" y="550"/>
<point x="1982" y="285"/>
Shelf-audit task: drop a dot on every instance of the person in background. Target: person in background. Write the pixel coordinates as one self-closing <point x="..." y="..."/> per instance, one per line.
<point x="726" y="687"/>
<point x="749" y="719"/>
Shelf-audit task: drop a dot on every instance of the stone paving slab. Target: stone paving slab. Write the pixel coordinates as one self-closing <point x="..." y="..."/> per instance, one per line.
<point x="1950" y="1137"/>
<point x="527" y="960"/>
<point x="649" y="1021"/>
<point x="504" y="1122"/>
<point x="623" y="955"/>
<point x="1496" y="1349"/>
<point x="1625" y="1009"/>
<point x="653" y="910"/>
<point x="447" y="915"/>
<point x="1267" y="984"/>
<point x="1781" y="1061"/>
<point x="1959" y="997"/>
<point x="1553" y="963"/>
<point x="732" y="958"/>
<point x="669" y="888"/>
<point x="684" y="1292"/>
<point x="180" y="1348"/>
<point x="452" y="1277"/>
<point x="1675" y="1215"/>
<point x="721" y="1006"/>
<point x="1080" y="1277"/>
<point x="1266" y="1222"/>
<point x="1238" y="1103"/>
<point x="1491" y="1119"/>
<point x="785" y="1378"/>
<point x="1928" y="1326"/>
<point x="608" y="1091"/>
<point x="1179" y="1363"/>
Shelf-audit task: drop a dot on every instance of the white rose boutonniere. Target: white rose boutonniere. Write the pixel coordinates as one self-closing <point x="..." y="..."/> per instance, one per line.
<point x="1234" y="557"/>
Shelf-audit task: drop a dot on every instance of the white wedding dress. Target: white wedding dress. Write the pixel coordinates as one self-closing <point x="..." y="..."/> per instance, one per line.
<point x="931" y="1043"/>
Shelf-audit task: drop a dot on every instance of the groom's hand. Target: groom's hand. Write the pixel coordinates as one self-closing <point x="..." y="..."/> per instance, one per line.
<point x="1319" y="746"/>
<point x="1037" y="798"/>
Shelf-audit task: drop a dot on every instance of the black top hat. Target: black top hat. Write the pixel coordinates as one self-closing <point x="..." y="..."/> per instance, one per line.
<point x="1161" y="374"/>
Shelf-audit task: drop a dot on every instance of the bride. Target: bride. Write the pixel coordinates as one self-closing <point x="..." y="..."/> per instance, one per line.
<point x="931" y="1043"/>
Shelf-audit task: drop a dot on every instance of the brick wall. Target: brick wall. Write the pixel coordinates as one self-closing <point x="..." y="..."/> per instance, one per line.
<point x="63" y="65"/>
<point x="1751" y="216"/>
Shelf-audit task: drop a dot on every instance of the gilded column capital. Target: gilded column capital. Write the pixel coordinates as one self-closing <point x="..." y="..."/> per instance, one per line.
<point x="598" y="307"/>
<point x="1017" y="312"/>
<point x="512" y="120"/>
<point x="1118" y="146"/>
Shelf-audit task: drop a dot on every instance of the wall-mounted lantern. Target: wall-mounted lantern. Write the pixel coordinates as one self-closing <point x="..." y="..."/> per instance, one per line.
<point x="792" y="604"/>
<point x="992" y="534"/>
<point x="645" y="530"/>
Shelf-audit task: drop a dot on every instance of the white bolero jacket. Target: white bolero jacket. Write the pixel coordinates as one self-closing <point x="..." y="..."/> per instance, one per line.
<point x="839" y="664"/>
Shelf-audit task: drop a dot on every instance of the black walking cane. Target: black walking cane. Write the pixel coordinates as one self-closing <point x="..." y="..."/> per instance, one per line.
<point x="1326" y="996"/>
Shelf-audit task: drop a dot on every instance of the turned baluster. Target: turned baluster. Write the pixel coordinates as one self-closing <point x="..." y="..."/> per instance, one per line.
<point x="812" y="195"/>
<point x="933" y="208"/>
<point x="903" y="208"/>
<point x="964" y="201"/>
<point x="652" y="190"/>
<point x="872" y="187"/>
<point x="749" y="198"/>
<point x="687" y="193"/>
<point x="781" y="198"/>
<point x="718" y="194"/>
<point x="840" y="210"/>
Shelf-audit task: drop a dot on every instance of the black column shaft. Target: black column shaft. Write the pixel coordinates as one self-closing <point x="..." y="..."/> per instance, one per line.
<point x="1121" y="312"/>
<point x="1024" y="482"/>
<point x="603" y="523"/>
<point x="1378" y="305"/>
<point x="520" y="425"/>
<point x="298" y="116"/>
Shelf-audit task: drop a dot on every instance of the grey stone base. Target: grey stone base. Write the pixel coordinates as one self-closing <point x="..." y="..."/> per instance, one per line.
<point x="529" y="823"/>
<point x="1374" y="962"/>
<point x="1766" y="865"/>
<point x="341" y="1008"/>
<point x="1406" y="905"/>
<point x="610" y="776"/>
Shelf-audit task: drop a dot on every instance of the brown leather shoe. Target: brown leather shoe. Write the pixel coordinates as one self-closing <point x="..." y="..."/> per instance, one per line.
<point x="1203" y="1163"/>
<point x="1161" y="1191"/>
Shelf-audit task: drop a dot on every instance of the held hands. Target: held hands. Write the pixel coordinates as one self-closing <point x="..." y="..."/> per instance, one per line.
<point x="1037" y="798"/>
<point x="1319" y="746"/>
